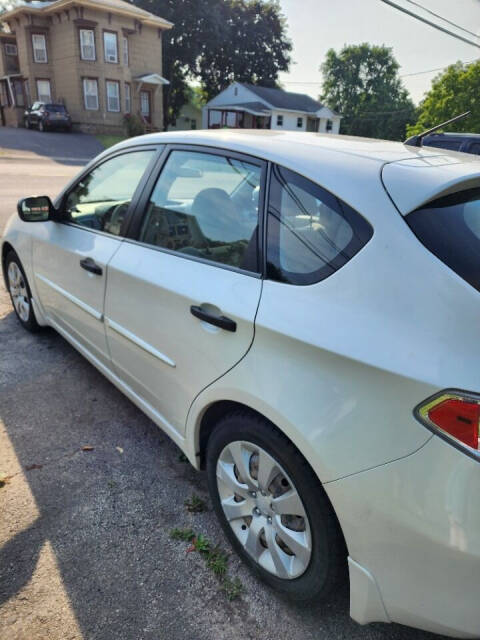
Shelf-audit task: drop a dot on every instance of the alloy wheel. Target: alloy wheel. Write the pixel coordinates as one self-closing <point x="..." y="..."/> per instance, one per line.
<point x="264" y="509"/>
<point x="18" y="291"/>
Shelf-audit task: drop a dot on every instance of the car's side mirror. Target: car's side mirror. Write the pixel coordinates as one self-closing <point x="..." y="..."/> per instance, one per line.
<point x="35" y="209"/>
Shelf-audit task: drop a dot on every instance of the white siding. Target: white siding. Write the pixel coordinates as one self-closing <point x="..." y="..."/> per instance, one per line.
<point x="233" y="94"/>
<point x="289" y="121"/>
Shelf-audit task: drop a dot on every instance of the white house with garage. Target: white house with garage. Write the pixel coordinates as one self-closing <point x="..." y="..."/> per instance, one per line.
<point x="247" y="106"/>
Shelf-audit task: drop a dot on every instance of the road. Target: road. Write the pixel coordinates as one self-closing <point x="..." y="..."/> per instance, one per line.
<point x="85" y="545"/>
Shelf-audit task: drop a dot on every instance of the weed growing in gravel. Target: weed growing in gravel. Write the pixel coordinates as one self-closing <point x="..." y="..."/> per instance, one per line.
<point x="217" y="561"/>
<point x="215" y="558"/>
<point x="233" y="588"/>
<point x="187" y="535"/>
<point x="195" y="504"/>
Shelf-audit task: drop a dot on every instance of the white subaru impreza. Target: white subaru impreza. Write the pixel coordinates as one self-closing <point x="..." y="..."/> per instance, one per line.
<point x="301" y="315"/>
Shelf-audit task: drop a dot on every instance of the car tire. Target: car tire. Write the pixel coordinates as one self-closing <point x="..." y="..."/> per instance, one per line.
<point x="20" y="294"/>
<point x="27" y="123"/>
<point x="318" y="561"/>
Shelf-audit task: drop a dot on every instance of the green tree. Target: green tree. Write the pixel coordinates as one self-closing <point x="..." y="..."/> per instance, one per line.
<point x="454" y="91"/>
<point x="362" y="84"/>
<point x="217" y="41"/>
<point x="251" y="46"/>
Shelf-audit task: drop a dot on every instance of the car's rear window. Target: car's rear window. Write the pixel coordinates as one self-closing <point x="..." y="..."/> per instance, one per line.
<point x="450" y="228"/>
<point x="55" y="108"/>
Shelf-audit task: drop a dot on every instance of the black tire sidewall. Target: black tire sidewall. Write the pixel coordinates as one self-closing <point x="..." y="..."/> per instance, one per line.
<point x="31" y="324"/>
<point x="327" y="544"/>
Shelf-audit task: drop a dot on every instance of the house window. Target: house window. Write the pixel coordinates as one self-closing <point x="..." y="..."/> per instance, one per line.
<point x="110" y="46"/>
<point x="26" y="90"/>
<point x="39" y="43"/>
<point x="299" y="123"/>
<point x="329" y="126"/>
<point x="87" y="44"/>
<point x="279" y="121"/>
<point x="90" y="94"/>
<point x="128" y="98"/>
<point x="4" y="94"/>
<point x="11" y="49"/>
<point x="44" y="93"/>
<point x="145" y="106"/>
<point x="125" y="51"/>
<point x="18" y="91"/>
<point x="113" y="96"/>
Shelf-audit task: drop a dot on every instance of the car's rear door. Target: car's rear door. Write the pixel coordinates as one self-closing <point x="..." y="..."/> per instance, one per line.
<point x="183" y="291"/>
<point x="70" y="256"/>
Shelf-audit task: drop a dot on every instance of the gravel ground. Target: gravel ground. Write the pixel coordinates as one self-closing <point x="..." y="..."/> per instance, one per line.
<point x="85" y="546"/>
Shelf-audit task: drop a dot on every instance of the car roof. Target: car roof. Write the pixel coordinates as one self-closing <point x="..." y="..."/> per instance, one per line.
<point x="267" y="142"/>
<point x="350" y="167"/>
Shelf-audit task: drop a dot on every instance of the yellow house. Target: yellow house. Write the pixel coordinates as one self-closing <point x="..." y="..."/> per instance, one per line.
<point x="101" y="58"/>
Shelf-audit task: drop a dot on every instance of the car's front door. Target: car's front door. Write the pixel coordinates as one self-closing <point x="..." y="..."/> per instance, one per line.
<point x="70" y="256"/>
<point x="182" y="294"/>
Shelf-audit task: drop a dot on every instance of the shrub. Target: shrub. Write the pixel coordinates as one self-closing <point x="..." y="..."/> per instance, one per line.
<point x="134" y="125"/>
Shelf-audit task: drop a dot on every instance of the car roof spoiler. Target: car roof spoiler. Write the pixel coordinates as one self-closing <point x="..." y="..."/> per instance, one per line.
<point x="415" y="182"/>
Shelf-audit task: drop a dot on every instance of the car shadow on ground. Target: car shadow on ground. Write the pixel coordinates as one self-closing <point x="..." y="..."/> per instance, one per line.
<point x="108" y="512"/>
<point x="65" y="148"/>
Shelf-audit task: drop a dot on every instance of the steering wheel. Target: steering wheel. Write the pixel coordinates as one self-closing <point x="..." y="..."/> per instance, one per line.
<point x="113" y="218"/>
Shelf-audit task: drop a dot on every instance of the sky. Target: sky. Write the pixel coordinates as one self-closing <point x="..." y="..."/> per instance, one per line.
<point x="314" y="26"/>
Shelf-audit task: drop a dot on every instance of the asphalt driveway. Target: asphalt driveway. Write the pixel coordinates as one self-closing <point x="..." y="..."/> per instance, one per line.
<point x="75" y="148"/>
<point x="92" y="494"/>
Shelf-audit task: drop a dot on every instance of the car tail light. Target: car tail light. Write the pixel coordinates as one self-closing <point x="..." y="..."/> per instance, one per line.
<point x="454" y="415"/>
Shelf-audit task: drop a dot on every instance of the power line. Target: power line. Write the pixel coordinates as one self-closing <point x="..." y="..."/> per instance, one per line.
<point x="403" y="75"/>
<point x="432" y="13"/>
<point x="429" y="22"/>
<point x="418" y="73"/>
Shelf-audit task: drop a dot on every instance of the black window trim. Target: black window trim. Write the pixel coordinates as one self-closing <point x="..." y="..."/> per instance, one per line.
<point x="60" y="201"/>
<point x="137" y="218"/>
<point x="351" y="215"/>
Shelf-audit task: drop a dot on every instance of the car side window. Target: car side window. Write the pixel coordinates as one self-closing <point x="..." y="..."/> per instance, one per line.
<point x="101" y="199"/>
<point x="310" y="232"/>
<point x="206" y="206"/>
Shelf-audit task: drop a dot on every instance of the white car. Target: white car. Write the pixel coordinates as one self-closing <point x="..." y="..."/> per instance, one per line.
<point x="301" y="315"/>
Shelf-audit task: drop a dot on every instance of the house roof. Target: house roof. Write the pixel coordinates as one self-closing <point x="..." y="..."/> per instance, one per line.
<point x="280" y="99"/>
<point x="116" y="6"/>
<point x="151" y="78"/>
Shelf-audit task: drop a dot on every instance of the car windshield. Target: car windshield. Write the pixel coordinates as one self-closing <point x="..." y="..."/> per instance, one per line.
<point x="55" y="108"/>
<point x="450" y="228"/>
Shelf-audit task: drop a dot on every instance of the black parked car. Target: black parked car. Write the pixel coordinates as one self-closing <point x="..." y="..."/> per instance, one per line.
<point x="465" y="142"/>
<point x="47" y="116"/>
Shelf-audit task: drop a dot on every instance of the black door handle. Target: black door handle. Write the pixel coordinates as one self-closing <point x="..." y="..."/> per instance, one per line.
<point x="90" y="265"/>
<point x="218" y="321"/>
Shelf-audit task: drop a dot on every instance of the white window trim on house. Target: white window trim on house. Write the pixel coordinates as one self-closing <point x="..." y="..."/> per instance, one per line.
<point x="279" y="120"/>
<point x="87" y="44"/>
<point x="39" y="45"/>
<point x="42" y="94"/>
<point x="113" y="96"/>
<point x="128" y="98"/>
<point x="90" y="91"/>
<point x="11" y="49"/>
<point x="145" y="102"/>
<point x="109" y="54"/>
<point x="125" y="51"/>
<point x="299" y="122"/>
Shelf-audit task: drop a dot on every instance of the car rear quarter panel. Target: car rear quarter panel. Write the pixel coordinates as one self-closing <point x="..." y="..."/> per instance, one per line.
<point x="340" y="365"/>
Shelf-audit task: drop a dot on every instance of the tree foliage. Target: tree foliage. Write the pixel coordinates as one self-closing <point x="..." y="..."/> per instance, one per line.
<point x="454" y="91"/>
<point x="361" y="82"/>
<point x="217" y="41"/>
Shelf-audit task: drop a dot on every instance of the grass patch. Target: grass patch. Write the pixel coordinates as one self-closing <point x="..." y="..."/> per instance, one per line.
<point x="195" y="504"/>
<point x="215" y="558"/>
<point x="187" y="535"/>
<point x="109" y="141"/>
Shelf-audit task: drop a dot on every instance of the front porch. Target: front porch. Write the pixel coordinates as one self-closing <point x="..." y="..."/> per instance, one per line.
<point x="241" y="116"/>
<point x="13" y="100"/>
